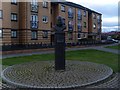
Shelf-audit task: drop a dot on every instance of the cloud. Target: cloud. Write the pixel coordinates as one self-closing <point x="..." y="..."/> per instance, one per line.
<point x="109" y="28"/>
<point x="110" y="20"/>
<point x="108" y="9"/>
<point x="95" y="2"/>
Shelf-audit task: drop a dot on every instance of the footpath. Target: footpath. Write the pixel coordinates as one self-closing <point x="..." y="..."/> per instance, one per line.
<point x="47" y="51"/>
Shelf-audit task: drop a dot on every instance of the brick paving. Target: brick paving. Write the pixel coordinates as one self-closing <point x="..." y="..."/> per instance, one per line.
<point x="112" y="83"/>
<point x="42" y="74"/>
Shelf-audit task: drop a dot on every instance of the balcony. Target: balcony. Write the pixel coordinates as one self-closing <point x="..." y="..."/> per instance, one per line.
<point x="79" y="17"/>
<point x="70" y="15"/>
<point x="79" y="28"/>
<point x="34" y="8"/>
<point x="34" y="24"/>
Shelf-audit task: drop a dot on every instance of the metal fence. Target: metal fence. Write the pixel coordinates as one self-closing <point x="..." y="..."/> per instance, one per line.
<point x="40" y="46"/>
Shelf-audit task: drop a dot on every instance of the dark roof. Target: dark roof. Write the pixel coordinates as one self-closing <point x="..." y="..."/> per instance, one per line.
<point x="77" y="6"/>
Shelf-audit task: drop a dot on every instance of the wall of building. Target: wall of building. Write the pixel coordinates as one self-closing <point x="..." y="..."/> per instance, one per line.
<point x="23" y="24"/>
<point x="6" y="23"/>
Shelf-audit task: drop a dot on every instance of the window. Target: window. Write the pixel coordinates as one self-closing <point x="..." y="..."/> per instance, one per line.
<point x="85" y="13"/>
<point x="45" y="19"/>
<point x="70" y="26"/>
<point x="13" y="16"/>
<point x="62" y="8"/>
<point x="99" y="29"/>
<point x="14" y="33"/>
<point x="45" y="34"/>
<point x="45" y="4"/>
<point x="70" y="36"/>
<point x="34" y="17"/>
<point x="98" y="26"/>
<point x="34" y="35"/>
<point x="70" y="13"/>
<point x="34" y="21"/>
<point x="79" y="35"/>
<point x="1" y="14"/>
<point x="1" y="33"/>
<point x="34" y="6"/>
<point x="94" y="15"/>
<point x="13" y="1"/>
<point x="63" y="21"/>
<point x="79" y="15"/>
<point x="79" y="26"/>
<point x="51" y="25"/>
<point x="98" y="17"/>
<point x="84" y="24"/>
<point x="84" y="35"/>
<point x="34" y="2"/>
<point x="94" y="26"/>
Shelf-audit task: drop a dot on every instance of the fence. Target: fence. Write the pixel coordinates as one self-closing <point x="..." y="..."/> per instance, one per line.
<point x="40" y="46"/>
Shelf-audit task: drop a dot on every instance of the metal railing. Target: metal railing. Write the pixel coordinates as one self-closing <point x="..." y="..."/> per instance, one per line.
<point x="34" y="8"/>
<point x="34" y="24"/>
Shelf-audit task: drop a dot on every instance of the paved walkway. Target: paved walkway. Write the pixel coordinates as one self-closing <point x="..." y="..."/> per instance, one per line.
<point x="68" y="49"/>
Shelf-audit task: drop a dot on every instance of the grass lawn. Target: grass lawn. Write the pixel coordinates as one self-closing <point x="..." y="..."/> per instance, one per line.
<point x="90" y="55"/>
<point x="114" y="47"/>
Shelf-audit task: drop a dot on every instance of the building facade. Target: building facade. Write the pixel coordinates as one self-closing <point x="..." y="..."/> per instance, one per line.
<point x="30" y="23"/>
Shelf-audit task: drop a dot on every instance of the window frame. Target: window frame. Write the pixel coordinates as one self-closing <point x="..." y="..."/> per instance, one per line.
<point x="1" y="11"/>
<point x="43" y="18"/>
<point x="79" y="14"/>
<point x="70" y="13"/>
<point x="12" y="35"/>
<point x="85" y="13"/>
<point x="63" y="8"/>
<point x="1" y="36"/>
<point x="85" y="24"/>
<point x="45" y="4"/>
<point x="94" y="25"/>
<point x="34" y="38"/>
<point x="34" y="20"/>
<point x="14" y="18"/>
<point x="98" y="16"/>
<point x="70" y="26"/>
<point x="70" y="36"/>
<point x="34" y="2"/>
<point x="14" y="2"/>
<point x="79" y="26"/>
<point x="79" y="35"/>
<point x="94" y="15"/>
<point x="45" y="34"/>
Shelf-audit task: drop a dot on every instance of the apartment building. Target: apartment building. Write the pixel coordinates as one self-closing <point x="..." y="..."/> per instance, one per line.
<point x="31" y="23"/>
<point x="94" y="27"/>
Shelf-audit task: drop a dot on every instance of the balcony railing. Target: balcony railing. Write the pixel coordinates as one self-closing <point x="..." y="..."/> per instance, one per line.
<point x="70" y="28"/>
<point x="34" y="8"/>
<point x="34" y="24"/>
<point x="79" y="17"/>
<point x="79" y="28"/>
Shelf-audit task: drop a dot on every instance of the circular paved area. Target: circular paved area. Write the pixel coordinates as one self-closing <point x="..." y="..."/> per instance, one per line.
<point x="42" y="74"/>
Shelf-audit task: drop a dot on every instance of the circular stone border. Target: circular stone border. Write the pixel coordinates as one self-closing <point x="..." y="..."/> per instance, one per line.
<point x="42" y="74"/>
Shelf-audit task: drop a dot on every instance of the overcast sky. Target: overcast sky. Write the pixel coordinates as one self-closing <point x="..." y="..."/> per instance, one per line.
<point x="108" y="9"/>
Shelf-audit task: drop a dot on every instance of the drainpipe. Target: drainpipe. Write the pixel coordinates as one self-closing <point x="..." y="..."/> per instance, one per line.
<point x="26" y="25"/>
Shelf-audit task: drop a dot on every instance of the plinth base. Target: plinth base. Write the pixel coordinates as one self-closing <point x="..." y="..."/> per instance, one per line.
<point x="43" y="75"/>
